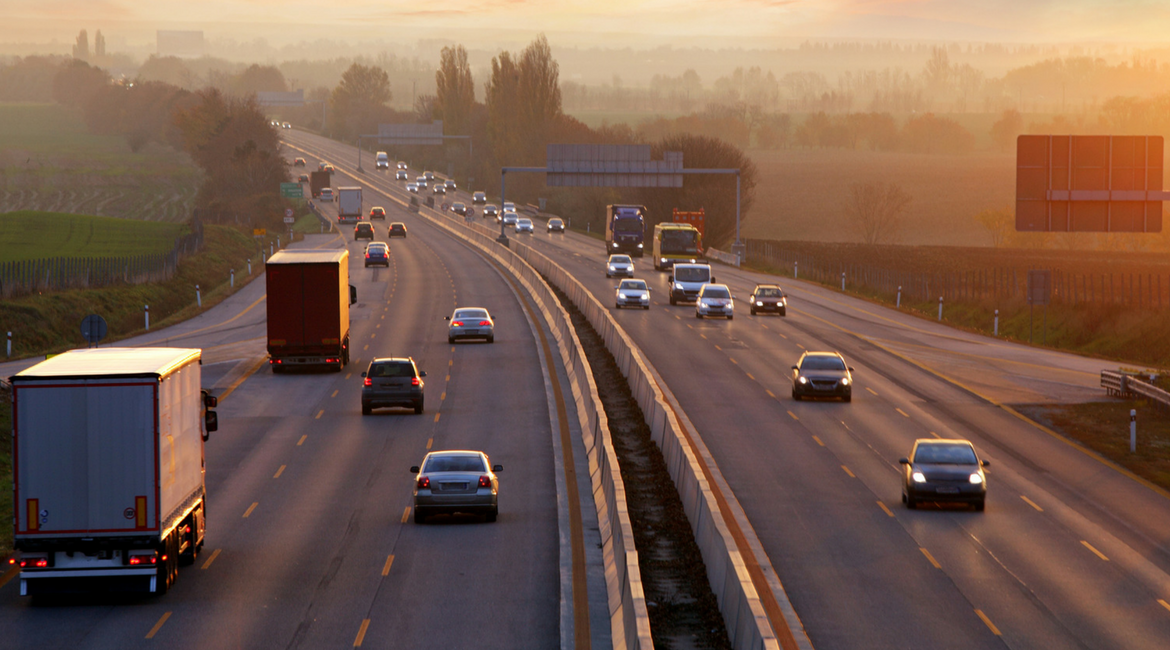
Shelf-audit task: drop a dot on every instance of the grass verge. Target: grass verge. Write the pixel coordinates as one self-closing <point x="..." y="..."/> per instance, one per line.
<point x="31" y="235"/>
<point x="1104" y="428"/>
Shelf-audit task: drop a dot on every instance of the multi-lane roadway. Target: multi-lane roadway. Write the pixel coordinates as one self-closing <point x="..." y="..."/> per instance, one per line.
<point x="310" y="542"/>
<point x="1071" y="551"/>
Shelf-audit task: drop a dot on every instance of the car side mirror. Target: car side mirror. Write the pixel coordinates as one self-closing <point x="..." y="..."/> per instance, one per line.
<point x="617" y="287"/>
<point x="713" y="279"/>
<point x="414" y="469"/>
<point x="497" y="468"/>
<point x="904" y="461"/>
<point x="987" y="463"/>
<point x="210" y="401"/>
<point x="850" y="368"/>
<point x="352" y="294"/>
<point x="363" y="374"/>
<point x="446" y="318"/>
<point x="210" y="423"/>
<point x="670" y="278"/>
<point x="796" y="367"/>
<point x="422" y="373"/>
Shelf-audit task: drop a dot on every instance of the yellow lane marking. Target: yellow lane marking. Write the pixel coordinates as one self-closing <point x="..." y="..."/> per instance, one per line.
<point x="442" y="396"/>
<point x="302" y="440"/>
<point x="319" y="414"/>
<point x="983" y="357"/>
<point x="250" y="509"/>
<point x="357" y="643"/>
<point x="930" y="557"/>
<point x="1031" y="503"/>
<point x="851" y="474"/>
<point x="452" y="348"/>
<point x="733" y="360"/>
<point x="157" y="626"/>
<point x="872" y="391"/>
<point x="334" y="394"/>
<point x="717" y="347"/>
<point x="379" y="325"/>
<point x="1164" y="603"/>
<point x="782" y="336"/>
<point x="751" y="377"/>
<point x="350" y="374"/>
<point x="1095" y="551"/>
<point x="279" y="471"/>
<point x="430" y="441"/>
<point x="935" y="435"/>
<point x="406" y="514"/>
<point x="793" y="416"/>
<point x="818" y="441"/>
<point x="763" y="326"/>
<point x="236" y="384"/>
<point x="801" y="346"/>
<point x="770" y="394"/>
<point x="704" y="336"/>
<point x="904" y="413"/>
<point x="386" y="567"/>
<point x="450" y="363"/>
<point x="383" y="317"/>
<point x="688" y="326"/>
<point x="886" y="509"/>
<point x="448" y="378"/>
<point x="437" y="416"/>
<point x="373" y="335"/>
<point x="987" y="621"/>
<point x="246" y="310"/>
<point x="366" y="347"/>
<point x="214" y="554"/>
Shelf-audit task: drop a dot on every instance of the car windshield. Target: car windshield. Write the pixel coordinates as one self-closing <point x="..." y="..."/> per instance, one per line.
<point x="555" y="222"/>
<point x="692" y="274"/>
<point x="822" y="363"/>
<point x="680" y="241"/>
<point x="633" y="285"/>
<point x="716" y="292"/>
<point x="768" y="292"/>
<point x="627" y="225"/>
<point x="454" y="464"/>
<point x="945" y="455"/>
<point x="525" y="222"/>
<point x="470" y="313"/>
<point x="619" y="259"/>
<point x="391" y="369"/>
<point x="379" y="249"/>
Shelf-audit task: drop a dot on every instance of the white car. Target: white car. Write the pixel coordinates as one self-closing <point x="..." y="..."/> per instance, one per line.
<point x="510" y="218"/>
<point x="524" y="225"/>
<point x="412" y="188"/>
<point x="326" y="195"/>
<point x="430" y="176"/>
<point x="400" y="175"/>
<point x="715" y="300"/>
<point x="286" y="125"/>
<point x="632" y="293"/>
<point x="421" y="181"/>
<point x="509" y="206"/>
<point x="490" y="210"/>
<point x="479" y="198"/>
<point x="450" y="184"/>
<point x="619" y="265"/>
<point x="402" y="165"/>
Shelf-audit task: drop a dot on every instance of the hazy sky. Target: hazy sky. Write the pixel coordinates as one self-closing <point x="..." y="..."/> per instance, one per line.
<point x="745" y="23"/>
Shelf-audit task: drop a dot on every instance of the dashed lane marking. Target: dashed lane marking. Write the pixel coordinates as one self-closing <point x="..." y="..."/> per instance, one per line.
<point x="158" y="626"/>
<point x="885" y="508"/>
<point x="930" y="557"/>
<point x="847" y="471"/>
<point x="279" y="471"/>
<point x="361" y="635"/>
<point x="1095" y="551"/>
<point x="252" y="507"/>
<point x="214" y="554"/>
<point x="904" y="413"/>
<point x="987" y="621"/>
<point x="1031" y="503"/>
<point x="302" y="440"/>
<point x="386" y="567"/>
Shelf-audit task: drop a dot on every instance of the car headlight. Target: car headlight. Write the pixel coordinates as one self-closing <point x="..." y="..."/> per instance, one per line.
<point x="645" y="297"/>
<point x="918" y="477"/>
<point x="623" y="296"/>
<point x="844" y="381"/>
<point x="612" y="267"/>
<point x="678" y="285"/>
<point x="615" y="244"/>
<point x="759" y="303"/>
<point x="663" y="260"/>
<point x="802" y="380"/>
<point x="639" y="246"/>
<point x="976" y="479"/>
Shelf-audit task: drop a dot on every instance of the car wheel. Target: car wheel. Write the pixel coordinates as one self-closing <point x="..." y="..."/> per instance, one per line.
<point x="450" y="341"/>
<point x="673" y="301"/>
<point x="730" y="316"/>
<point x="367" y="409"/>
<point x="979" y="505"/>
<point x="645" y="306"/>
<point x="795" y="396"/>
<point x="419" y="517"/>
<point x="911" y="503"/>
<point x="491" y="339"/>
<point x="847" y="398"/>
<point x="617" y="305"/>
<point x="418" y="407"/>
<point x="492" y="515"/>
<point x="783" y="312"/>
<point x="753" y="311"/>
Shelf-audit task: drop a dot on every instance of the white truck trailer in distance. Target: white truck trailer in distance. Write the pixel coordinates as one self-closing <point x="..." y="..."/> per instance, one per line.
<point x="109" y="469"/>
<point x="349" y="204"/>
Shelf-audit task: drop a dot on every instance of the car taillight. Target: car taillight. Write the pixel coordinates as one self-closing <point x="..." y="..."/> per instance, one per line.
<point x="415" y="382"/>
<point x="457" y="323"/>
<point x="485" y="323"/>
<point x="367" y="256"/>
<point x="424" y="482"/>
<point x="368" y="382"/>
<point x="485" y="481"/>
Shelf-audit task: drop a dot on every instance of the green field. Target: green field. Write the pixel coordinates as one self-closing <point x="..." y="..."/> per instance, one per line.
<point x="29" y="235"/>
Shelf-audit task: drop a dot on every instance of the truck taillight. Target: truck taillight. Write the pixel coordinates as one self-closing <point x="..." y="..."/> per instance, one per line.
<point x="139" y="560"/>
<point x="485" y="481"/>
<point x="368" y="382"/>
<point x="34" y="562"/>
<point x="424" y="482"/>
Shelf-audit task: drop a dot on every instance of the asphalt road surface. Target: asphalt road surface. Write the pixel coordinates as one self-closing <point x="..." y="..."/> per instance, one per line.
<point x="1070" y="553"/>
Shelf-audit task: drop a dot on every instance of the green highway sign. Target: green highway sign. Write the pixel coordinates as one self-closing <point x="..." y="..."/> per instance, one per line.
<point x="292" y="191"/>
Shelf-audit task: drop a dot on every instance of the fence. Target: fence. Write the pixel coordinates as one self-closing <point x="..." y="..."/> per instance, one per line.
<point x="1139" y="290"/>
<point x="1122" y="384"/>
<point x="56" y="273"/>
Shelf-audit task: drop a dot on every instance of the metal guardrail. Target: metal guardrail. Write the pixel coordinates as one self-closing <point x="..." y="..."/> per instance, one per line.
<point x="730" y="259"/>
<point x="1122" y="384"/>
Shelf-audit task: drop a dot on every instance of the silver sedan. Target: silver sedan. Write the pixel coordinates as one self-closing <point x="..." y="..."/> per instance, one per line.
<point x="456" y="481"/>
<point x="715" y="300"/>
<point x="471" y="323"/>
<point x="632" y="293"/>
<point x="619" y="265"/>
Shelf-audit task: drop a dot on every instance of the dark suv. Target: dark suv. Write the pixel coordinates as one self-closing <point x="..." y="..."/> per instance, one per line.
<point x="822" y="374"/>
<point x="363" y="230"/>
<point x="392" y="382"/>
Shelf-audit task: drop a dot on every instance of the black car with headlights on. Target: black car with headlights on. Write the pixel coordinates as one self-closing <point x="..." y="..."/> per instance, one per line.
<point x="822" y="374"/>
<point x="769" y="298"/>
<point x="943" y="471"/>
<point x="392" y="382"/>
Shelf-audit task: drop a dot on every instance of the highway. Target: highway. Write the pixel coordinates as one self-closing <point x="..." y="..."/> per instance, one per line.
<point x="1071" y="552"/>
<point x="310" y="542"/>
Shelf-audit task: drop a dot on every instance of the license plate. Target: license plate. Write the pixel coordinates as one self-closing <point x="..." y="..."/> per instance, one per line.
<point x="454" y="486"/>
<point x="948" y="490"/>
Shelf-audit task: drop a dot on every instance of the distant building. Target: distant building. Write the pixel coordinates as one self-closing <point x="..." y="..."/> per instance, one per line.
<point x="187" y="45"/>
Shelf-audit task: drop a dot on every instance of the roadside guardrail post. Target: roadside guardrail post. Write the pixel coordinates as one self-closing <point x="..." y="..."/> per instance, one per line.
<point x="233" y="280"/>
<point x="10" y="344"/>
<point x="795" y="270"/>
<point x="842" y="280"/>
<point x="198" y="298"/>
<point x="278" y="241"/>
<point x="995" y="327"/>
<point x="1132" y="430"/>
<point x="249" y="267"/>
<point x="899" y="303"/>
<point x="940" y="300"/>
<point x="146" y="313"/>
<point x="270" y="249"/>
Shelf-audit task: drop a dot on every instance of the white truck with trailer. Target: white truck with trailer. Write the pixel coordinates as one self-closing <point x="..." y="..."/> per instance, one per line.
<point x="109" y="469"/>
<point x="349" y="204"/>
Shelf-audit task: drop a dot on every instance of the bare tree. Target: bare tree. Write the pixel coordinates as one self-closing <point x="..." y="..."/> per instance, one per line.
<point x="876" y="210"/>
<point x="455" y="90"/>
